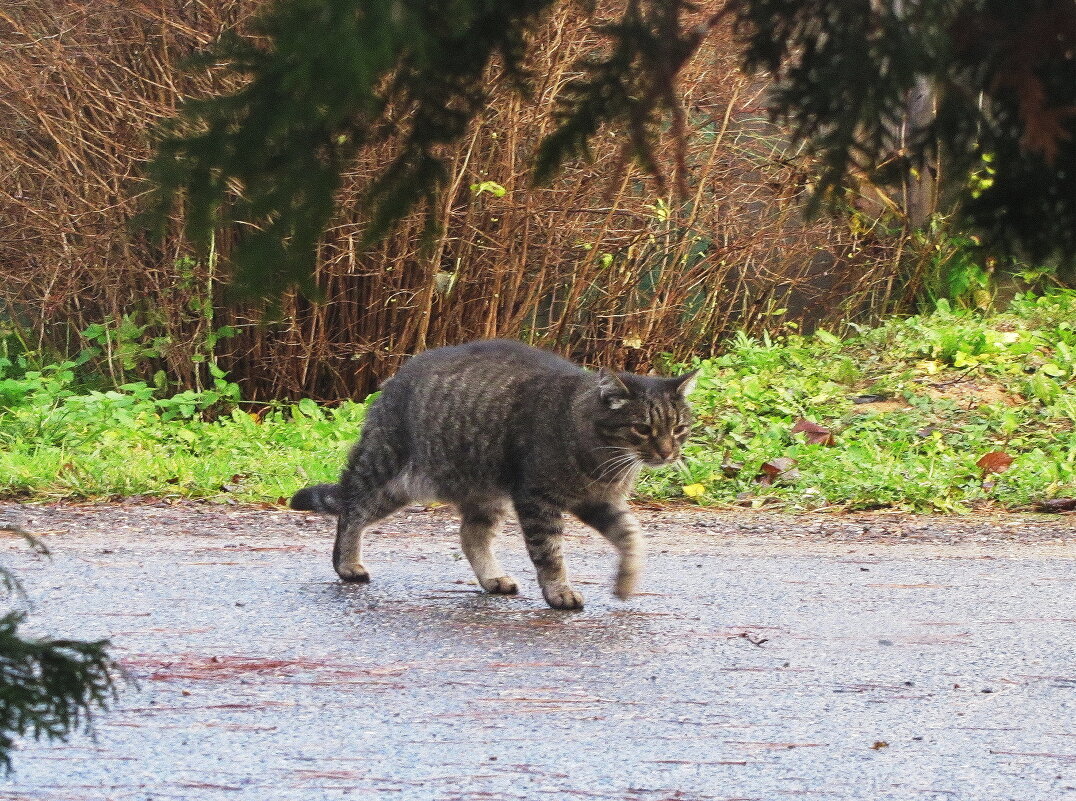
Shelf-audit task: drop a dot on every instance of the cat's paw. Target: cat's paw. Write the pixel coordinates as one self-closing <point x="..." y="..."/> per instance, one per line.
<point x="353" y="573"/>
<point x="501" y="585"/>
<point x="563" y="597"/>
<point x="625" y="585"/>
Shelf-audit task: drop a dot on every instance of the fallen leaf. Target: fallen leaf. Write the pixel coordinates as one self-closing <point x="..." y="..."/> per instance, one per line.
<point x="994" y="462"/>
<point x="815" y="434"/>
<point x="781" y="468"/>
<point x="775" y="467"/>
<point x="879" y="745"/>
<point x="694" y="490"/>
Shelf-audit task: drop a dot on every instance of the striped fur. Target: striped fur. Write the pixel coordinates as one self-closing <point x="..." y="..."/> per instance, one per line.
<point x="498" y="426"/>
<point x="324" y="498"/>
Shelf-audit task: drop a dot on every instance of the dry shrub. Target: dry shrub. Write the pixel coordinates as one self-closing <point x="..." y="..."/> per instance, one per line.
<point x="598" y="266"/>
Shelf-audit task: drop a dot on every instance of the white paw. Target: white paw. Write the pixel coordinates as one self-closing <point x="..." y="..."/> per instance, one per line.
<point x="501" y="585"/>
<point x="354" y="572"/>
<point x="562" y="596"/>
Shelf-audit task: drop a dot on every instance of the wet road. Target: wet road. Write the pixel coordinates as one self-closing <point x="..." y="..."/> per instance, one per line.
<point x="767" y="658"/>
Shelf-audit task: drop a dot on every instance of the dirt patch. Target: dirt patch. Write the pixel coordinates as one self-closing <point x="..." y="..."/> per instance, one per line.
<point x="972" y="394"/>
<point x="881" y="407"/>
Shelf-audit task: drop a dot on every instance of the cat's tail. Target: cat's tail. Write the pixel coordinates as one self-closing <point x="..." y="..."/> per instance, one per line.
<point x="324" y="498"/>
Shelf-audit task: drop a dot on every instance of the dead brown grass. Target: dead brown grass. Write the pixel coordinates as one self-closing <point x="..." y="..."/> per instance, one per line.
<point x="597" y="267"/>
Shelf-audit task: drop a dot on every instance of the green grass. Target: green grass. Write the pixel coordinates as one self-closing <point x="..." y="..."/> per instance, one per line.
<point x="55" y="443"/>
<point x="958" y="386"/>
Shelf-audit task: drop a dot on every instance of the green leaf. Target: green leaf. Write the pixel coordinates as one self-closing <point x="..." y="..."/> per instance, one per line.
<point x="309" y="408"/>
<point x="826" y="338"/>
<point x="492" y="187"/>
<point x="963" y="359"/>
<point x="1044" y="388"/>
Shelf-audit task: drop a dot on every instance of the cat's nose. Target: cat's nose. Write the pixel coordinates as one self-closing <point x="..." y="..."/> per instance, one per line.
<point x="664" y="449"/>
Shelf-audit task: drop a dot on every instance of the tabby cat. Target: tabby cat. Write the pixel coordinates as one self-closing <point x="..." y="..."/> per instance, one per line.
<point x="498" y="425"/>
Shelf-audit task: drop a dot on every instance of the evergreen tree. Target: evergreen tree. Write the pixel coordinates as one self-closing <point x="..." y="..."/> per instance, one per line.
<point x="1000" y="75"/>
<point x="49" y="688"/>
<point x="320" y="79"/>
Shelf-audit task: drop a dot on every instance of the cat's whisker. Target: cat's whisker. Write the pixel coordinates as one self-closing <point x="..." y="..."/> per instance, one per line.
<point x="623" y="467"/>
<point x="618" y="451"/>
<point x="614" y="464"/>
<point x="633" y="474"/>
<point x="609" y="470"/>
<point x="626" y="471"/>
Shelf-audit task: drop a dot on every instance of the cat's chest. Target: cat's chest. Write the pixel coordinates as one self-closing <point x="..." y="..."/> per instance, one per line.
<point x="572" y="487"/>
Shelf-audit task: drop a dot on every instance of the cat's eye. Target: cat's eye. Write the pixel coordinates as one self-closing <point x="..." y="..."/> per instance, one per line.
<point x="642" y="429"/>
<point x="681" y="431"/>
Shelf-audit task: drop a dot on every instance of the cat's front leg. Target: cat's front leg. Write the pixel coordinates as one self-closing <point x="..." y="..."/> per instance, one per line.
<point x="477" y="532"/>
<point x="616" y="523"/>
<point x="543" y="531"/>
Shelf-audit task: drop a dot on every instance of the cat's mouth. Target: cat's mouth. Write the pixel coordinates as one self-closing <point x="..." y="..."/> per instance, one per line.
<point x="659" y="461"/>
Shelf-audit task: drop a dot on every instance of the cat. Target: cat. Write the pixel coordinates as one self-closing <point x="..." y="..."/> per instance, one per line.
<point x="497" y="425"/>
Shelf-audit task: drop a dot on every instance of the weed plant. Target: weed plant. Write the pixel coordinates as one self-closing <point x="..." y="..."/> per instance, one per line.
<point x="911" y="407"/>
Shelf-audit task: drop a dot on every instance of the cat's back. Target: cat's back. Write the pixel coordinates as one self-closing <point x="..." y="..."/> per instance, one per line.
<point x="471" y="389"/>
<point x="479" y="376"/>
<point x="461" y="412"/>
<point x="493" y="358"/>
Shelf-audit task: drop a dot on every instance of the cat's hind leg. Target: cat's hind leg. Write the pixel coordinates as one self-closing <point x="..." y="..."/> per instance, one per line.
<point x="616" y="523"/>
<point x="364" y="502"/>
<point x="481" y="521"/>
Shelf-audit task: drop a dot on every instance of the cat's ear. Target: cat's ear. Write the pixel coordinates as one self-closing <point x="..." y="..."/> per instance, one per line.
<point x="685" y="383"/>
<point x="613" y="392"/>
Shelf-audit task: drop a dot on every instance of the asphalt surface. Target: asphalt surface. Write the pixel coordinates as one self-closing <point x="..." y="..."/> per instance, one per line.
<point x="769" y="658"/>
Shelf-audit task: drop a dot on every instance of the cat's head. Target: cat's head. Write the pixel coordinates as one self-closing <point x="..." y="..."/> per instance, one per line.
<point x="644" y="415"/>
